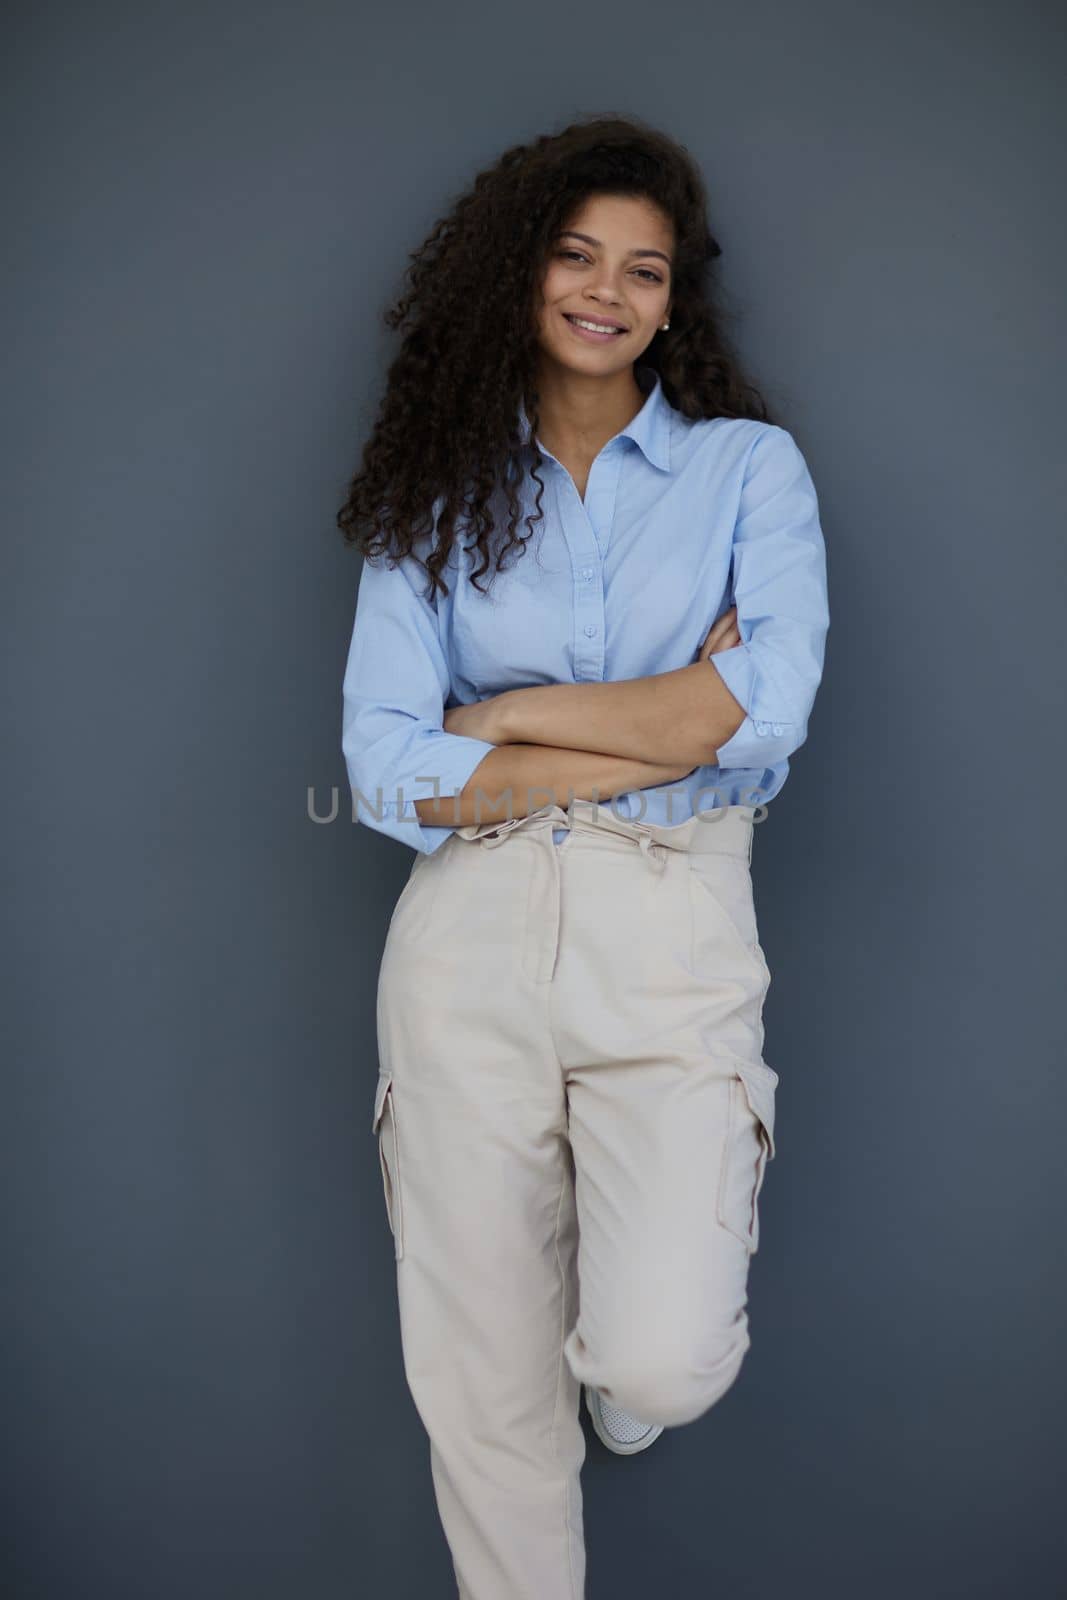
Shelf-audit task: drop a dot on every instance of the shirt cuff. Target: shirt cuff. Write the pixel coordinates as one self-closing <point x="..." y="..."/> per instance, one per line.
<point x="738" y="672"/>
<point x="757" y="743"/>
<point x="448" y="763"/>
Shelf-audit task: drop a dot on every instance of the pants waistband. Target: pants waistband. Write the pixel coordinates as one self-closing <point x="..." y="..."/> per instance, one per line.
<point x="724" y="830"/>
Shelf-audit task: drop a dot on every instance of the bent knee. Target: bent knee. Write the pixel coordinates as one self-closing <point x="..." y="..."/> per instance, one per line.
<point x="673" y="1386"/>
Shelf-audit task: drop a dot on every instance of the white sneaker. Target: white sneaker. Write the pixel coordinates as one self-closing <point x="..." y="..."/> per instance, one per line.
<point x="616" y="1428"/>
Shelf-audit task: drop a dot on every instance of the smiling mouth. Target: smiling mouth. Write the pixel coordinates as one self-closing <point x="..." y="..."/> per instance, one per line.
<point x="589" y="325"/>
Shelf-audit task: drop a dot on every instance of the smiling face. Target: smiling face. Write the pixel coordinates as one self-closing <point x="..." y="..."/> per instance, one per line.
<point x="611" y="266"/>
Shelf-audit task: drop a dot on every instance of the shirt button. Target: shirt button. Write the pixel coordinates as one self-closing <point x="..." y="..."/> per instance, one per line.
<point x="590" y="629"/>
<point x="777" y="727"/>
<point x="587" y="572"/>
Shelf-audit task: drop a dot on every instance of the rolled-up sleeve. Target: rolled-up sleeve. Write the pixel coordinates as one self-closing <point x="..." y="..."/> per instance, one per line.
<point x="780" y="590"/>
<point x="396" y="683"/>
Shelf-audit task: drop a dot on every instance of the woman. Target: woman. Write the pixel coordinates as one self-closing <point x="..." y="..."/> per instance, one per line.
<point x="575" y="739"/>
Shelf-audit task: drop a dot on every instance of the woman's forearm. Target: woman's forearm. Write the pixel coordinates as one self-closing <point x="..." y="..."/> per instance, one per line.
<point x="515" y="779"/>
<point x="682" y="716"/>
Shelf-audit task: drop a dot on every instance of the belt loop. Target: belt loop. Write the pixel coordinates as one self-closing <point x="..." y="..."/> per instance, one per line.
<point x="499" y="834"/>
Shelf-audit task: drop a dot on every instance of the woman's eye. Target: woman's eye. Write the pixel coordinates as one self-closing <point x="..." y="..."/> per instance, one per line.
<point x="576" y="255"/>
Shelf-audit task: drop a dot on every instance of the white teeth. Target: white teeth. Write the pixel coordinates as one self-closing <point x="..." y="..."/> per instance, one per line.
<point x="594" y="327"/>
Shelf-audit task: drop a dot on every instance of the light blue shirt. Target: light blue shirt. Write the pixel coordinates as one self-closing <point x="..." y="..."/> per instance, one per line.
<point x="680" y="520"/>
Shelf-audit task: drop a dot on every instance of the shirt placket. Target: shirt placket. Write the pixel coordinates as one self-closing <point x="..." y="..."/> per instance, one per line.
<point x="587" y="529"/>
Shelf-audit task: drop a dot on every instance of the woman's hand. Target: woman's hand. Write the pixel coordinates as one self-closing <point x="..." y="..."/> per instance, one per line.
<point x="722" y="635"/>
<point x="480" y="720"/>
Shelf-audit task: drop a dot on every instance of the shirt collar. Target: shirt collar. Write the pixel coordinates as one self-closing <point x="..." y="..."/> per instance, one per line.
<point x="650" y="429"/>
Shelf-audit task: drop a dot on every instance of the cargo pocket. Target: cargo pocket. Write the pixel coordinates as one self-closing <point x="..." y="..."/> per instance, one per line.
<point x="384" y="1127"/>
<point x="749" y="1145"/>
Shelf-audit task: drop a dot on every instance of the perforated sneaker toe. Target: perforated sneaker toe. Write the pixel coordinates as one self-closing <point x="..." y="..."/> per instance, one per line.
<point x="616" y="1428"/>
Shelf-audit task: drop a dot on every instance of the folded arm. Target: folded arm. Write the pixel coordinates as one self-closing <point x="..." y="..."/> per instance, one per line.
<point x="671" y="717"/>
<point x="396" y="679"/>
<point x="414" y="779"/>
<point x="746" y="706"/>
<point x="515" y="779"/>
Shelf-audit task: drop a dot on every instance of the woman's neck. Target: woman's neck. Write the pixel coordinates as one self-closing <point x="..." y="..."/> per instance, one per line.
<point x="579" y="414"/>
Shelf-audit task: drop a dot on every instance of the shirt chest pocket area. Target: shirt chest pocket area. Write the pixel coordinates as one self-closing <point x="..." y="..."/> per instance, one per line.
<point x="517" y="634"/>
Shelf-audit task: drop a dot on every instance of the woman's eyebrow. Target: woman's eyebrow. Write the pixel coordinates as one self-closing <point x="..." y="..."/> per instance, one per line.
<point x="573" y="234"/>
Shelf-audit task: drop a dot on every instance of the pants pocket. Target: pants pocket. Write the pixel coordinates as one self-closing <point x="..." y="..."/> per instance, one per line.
<point x="722" y="914"/>
<point x="385" y="1129"/>
<point x="410" y="922"/>
<point x="748" y="1146"/>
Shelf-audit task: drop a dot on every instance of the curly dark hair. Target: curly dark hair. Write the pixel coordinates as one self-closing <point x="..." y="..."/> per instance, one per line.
<point x="448" y="427"/>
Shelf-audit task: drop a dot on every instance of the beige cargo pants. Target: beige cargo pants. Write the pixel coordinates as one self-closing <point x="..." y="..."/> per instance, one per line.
<point x="573" y="1119"/>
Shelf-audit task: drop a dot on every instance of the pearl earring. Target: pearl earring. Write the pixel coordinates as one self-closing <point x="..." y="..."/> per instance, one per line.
<point x="664" y="325"/>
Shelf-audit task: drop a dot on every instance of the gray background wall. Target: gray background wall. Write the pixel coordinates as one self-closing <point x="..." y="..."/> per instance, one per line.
<point x="208" y="208"/>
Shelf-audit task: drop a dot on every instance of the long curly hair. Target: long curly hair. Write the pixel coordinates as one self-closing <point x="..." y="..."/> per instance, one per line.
<point x="447" y="437"/>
